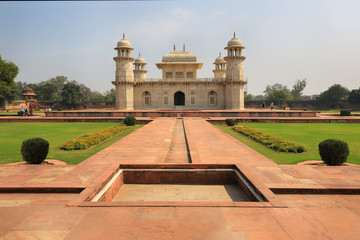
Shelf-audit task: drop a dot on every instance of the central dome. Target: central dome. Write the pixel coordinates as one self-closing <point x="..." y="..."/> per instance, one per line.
<point x="179" y="56"/>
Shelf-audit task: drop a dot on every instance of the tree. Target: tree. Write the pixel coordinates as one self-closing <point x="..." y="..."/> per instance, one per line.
<point x="96" y="96"/>
<point x="20" y="86"/>
<point x="279" y="97"/>
<point x="334" y="95"/>
<point x="298" y="88"/>
<point x="46" y="91"/>
<point x="276" y="86"/>
<point x="71" y="95"/>
<point x="8" y="72"/>
<point x="58" y="82"/>
<point x="248" y="97"/>
<point x="110" y="96"/>
<point x="354" y="96"/>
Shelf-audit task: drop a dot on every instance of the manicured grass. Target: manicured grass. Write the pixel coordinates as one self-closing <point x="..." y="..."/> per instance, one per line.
<point x="16" y="112"/>
<point x="332" y="111"/>
<point x="13" y="134"/>
<point x="307" y="134"/>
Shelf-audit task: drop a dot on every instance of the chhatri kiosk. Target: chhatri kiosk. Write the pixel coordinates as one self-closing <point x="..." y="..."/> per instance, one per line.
<point x="179" y="88"/>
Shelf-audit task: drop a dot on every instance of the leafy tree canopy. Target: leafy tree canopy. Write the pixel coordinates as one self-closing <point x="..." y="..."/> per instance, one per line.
<point x="298" y="88"/>
<point x="72" y="95"/>
<point x="279" y="97"/>
<point x="248" y="97"/>
<point x="354" y="96"/>
<point x="8" y="72"/>
<point x="110" y="96"/>
<point x="334" y="95"/>
<point x="276" y="86"/>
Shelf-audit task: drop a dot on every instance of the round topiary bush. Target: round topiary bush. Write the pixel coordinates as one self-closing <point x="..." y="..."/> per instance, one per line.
<point x="130" y="121"/>
<point x="345" y="113"/>
<point x="229" y="122"/>
<point x="34" y="150"/>
<point x="333" y="152"/>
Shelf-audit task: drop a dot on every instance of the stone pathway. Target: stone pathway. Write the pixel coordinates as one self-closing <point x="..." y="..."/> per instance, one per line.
<point x="306" y="216"/>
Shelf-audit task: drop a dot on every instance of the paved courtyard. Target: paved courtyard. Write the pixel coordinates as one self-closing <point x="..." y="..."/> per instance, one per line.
<point x="302" y="216"/>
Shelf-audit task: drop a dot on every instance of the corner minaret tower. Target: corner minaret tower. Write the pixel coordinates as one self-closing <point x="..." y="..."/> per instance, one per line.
<point x="124" y="75"/>
<point x="234" y="60"/>
<point x="234" y="75"/>
<point x="220" y="68"/>
<point x="139" y="71"/>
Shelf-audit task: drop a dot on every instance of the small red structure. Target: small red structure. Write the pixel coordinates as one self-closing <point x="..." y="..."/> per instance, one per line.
<point x="30" y="97"/>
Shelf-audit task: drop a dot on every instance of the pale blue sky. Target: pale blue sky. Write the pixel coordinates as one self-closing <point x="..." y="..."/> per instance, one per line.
<point x="285" y="40"/>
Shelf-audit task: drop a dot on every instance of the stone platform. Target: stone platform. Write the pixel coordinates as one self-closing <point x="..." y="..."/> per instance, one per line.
<point x="182" y="113"/>
<point x="302" y="213"/>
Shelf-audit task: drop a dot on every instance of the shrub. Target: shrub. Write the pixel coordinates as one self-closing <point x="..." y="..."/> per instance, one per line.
<point x="34" y="150"/>
<point x="130" y="121"/>
<point x="229" y="122"/>
<point x="333" y="152"/>
<point x="345" y="113"/>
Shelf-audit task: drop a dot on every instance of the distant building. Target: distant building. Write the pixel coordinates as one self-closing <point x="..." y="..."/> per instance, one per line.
<point x="309" y="97"/>
<point x="28" y="95"/>
<point x="179" y="87"/>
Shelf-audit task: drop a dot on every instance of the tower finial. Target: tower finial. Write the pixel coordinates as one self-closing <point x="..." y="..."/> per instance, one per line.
<point x="139" y="54"/>
<point x="234" y="35"/>
<point x="184" y="47"/>
<point x="174" y="48"/>
<point x="123" y="35"/>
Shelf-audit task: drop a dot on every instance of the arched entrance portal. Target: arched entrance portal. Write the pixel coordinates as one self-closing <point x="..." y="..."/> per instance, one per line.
<point x="179" y="99"/>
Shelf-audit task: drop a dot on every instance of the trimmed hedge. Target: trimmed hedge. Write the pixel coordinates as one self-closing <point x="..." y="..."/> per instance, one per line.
<point x="34" y="150"/>
<point x="89" y="140"/>
<point x="275" y="143"/>
<point x="345" y="113"/>
<point x="130" y="121"/>
<point x="333" y="152"/>
<point x="230" y="122"/>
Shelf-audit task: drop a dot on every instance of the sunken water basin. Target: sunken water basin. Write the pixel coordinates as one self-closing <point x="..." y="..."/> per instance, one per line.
<point x="177" y="184"/>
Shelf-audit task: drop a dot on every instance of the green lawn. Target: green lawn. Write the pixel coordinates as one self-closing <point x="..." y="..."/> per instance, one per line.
<point x="12" y="135"/>
<point x="308" y="134"/>
<point x="332" y="111"/>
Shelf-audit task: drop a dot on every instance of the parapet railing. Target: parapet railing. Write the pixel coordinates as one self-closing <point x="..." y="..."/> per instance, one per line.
<point x="182" y="79"/>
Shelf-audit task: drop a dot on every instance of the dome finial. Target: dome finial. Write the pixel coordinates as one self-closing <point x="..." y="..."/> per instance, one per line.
<point x="174" y="48"/>
<point x="123" y="35"/>
<point x="139" y="54"/>
<point x="220" y="54"/>
<point x="184" y="47"/>
<point x="234" y="35"/>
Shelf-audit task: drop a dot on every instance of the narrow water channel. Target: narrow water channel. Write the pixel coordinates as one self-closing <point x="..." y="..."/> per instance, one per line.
<point x="178" y="150"/>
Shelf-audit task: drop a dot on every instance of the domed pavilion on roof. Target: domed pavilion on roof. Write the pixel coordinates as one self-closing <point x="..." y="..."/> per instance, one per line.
<point x="179" y="87"/>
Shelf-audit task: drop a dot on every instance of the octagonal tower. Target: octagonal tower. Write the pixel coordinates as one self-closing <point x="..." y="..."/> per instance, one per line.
<point x="124" y="75"/>
<point x="234" y="74"/>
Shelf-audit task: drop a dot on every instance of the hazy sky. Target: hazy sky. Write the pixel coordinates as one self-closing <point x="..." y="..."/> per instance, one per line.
<point x="284" y="40"/>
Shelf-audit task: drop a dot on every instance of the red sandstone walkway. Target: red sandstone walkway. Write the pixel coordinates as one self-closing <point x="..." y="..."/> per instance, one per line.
<point x="47" y="216"/>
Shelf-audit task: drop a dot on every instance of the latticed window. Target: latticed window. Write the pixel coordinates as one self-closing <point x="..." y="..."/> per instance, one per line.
<point x="169" y="75"/>
<point x="146" y="98"/>
<point x="212" y="98"/>
<point x="179" y="75"/>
